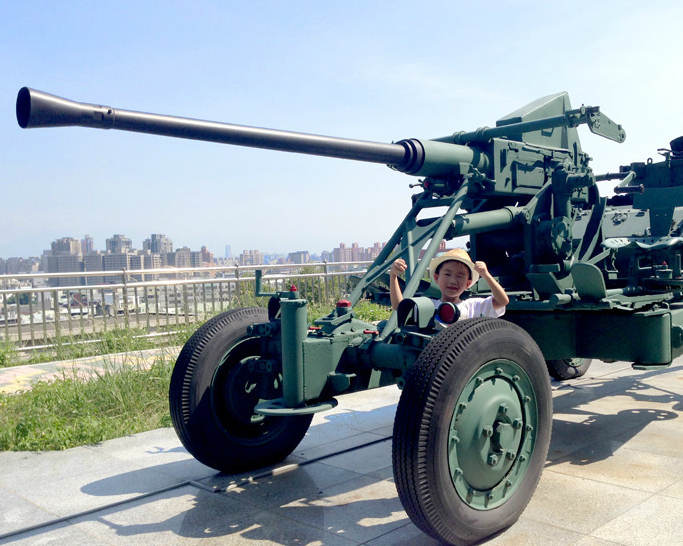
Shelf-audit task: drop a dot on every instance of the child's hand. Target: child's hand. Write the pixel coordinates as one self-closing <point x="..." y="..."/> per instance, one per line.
<point x="480" y="267"/>
<point x="398" y="267"/>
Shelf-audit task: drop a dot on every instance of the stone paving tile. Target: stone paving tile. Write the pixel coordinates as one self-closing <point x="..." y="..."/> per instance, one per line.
<point x="360" y="510"/>
<point x="159" y="450"/>
<point x="574" y="393"/>
<point x="573" y="432"/>
<point x="297" y="483"/>
<point x="657" y="521"/>
<point x="669" y="380"/>
<point x="365" y="420"/>
<point x="621" y="420"/>
<point x="17" y="513"/>
<point x="76" y="479"/>
<point x="370" y="399"/>
<point x="595" y="503"/>
<point x="531" y="533"/>
<point x="386" y="473"/>
<point x="324" y="438"/>
<point x="523" y="533"/>
<point x="662" y="437"/>
<point x="365" y="460"/>
<point x="19" y="378"/>
<point x="675" y="490"/>
<point x="609" y="462"/>
<point x="354" y="439"/>
<point x="63" y="534"/>
<point x="406" y="535"/>
<point x="191" y="516"/>
<point x="640" y="396"/>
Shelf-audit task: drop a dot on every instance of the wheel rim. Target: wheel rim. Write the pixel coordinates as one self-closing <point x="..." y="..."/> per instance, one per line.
<point x="575" y="363"/>
<point x="492" y="434"/>
<point x="233" y="394"/>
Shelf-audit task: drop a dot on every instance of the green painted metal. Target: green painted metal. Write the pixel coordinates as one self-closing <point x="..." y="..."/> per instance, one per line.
<point x="492" y="434"/>
<point x="574" y="263"/>
<point x="294" y="328"/>
<point x="589" y="277"/>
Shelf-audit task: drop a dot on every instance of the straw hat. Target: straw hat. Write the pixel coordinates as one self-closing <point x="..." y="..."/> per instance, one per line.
<point x="458" y="255"/>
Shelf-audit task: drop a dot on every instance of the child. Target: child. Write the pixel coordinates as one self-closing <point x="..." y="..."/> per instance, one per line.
<point x="454" y="272"/>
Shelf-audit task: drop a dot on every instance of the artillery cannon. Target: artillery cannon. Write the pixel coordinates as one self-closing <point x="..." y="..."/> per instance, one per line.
<point x="472" y="428"/>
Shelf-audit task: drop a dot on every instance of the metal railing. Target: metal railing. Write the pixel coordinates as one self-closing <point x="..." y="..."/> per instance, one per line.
<point x="42" y="316"/>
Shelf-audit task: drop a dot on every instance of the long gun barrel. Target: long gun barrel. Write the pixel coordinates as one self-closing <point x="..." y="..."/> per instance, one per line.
<point x="412" y="156"/>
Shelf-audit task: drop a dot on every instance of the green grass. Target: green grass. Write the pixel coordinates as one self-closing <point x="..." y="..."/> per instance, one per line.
<point x="75" y="410"/>
<point x="116" y="340"/>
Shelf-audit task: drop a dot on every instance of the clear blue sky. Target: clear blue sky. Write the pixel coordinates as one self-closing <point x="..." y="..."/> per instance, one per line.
<point x="378" y="71"/>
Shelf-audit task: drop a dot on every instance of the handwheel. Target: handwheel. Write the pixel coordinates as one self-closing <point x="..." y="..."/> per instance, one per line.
<point x="213" y="393"/>
<point x="472" y="430"/>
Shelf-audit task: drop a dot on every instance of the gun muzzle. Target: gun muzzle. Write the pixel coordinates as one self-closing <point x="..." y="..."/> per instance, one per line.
<point x="38" y="109"/>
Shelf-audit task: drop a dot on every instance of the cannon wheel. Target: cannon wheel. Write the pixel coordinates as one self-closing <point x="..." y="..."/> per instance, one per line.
<point x="213" y="394"/>
<point x="472" y="430"/>
<point x="568" y="368"/>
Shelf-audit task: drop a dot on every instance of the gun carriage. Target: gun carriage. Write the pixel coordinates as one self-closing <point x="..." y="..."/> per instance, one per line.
<point x="589" y="277"/>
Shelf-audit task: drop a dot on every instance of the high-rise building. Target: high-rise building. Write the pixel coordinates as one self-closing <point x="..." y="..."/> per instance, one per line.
<point x="299" y="257"/>
<point x="207" y="257"/>
<point x="228" y="251"/>
<point x="144" y="259"/>
<point x="374" y="251"/>
<point x="118" y="244"/>
<point x="341" y="254"/>
<point x="183" y="257"/>
<point x="66" y="245"/>
<point x="87" y="244"/>
<point x="356" y="253"/>
<point x="94" y="261"/>
<point x="116" y="261"/>
<point x="251" y="257"/>
<point x="64" y="257"/>
<point x="16" y="266"/>
<point x="158" y="243"/>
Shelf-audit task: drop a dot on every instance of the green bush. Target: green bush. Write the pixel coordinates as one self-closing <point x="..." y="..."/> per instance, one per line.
<point x="75" y="410"/>
<point x="8" y="355"/>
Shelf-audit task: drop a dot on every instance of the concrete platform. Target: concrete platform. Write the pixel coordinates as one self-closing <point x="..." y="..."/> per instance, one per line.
<point x="614" y="476"/>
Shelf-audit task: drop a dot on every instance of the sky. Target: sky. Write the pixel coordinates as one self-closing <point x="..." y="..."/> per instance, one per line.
<point x="378" y="71"/>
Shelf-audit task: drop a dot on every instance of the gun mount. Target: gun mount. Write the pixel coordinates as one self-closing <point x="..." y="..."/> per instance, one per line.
<point x="589" y="277"/>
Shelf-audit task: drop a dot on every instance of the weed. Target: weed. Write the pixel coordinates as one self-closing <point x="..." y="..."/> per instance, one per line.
<point x="119" y="400"/>
<point x="8" y="355"/>
<point x="76" y="410"/>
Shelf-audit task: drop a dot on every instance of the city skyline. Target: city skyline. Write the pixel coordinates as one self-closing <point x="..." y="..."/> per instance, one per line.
<point x="87" y="244"/>
<point x="369" y="71"/>
<point x="69" y="254"/>
<point x="90" y="241"/>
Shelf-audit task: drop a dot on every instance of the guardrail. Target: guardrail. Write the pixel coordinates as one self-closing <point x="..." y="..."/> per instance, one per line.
<point x="41" y="316"/>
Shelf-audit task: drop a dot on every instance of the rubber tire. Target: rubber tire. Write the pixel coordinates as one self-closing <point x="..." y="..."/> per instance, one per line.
<point x="195" y="399"/>
<point x="562" y="369"/>
<point x="421" y="428"/>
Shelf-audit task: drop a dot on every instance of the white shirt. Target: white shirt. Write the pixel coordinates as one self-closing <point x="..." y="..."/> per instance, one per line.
<point x="476" y="307"/>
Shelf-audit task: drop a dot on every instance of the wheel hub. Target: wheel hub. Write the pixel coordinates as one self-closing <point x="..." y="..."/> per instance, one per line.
<point x="241" y="395"/>
<point x="492" y="434"/>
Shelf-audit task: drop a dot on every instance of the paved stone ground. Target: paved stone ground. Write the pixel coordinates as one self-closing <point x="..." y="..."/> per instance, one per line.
<point x="614" y="476"/>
